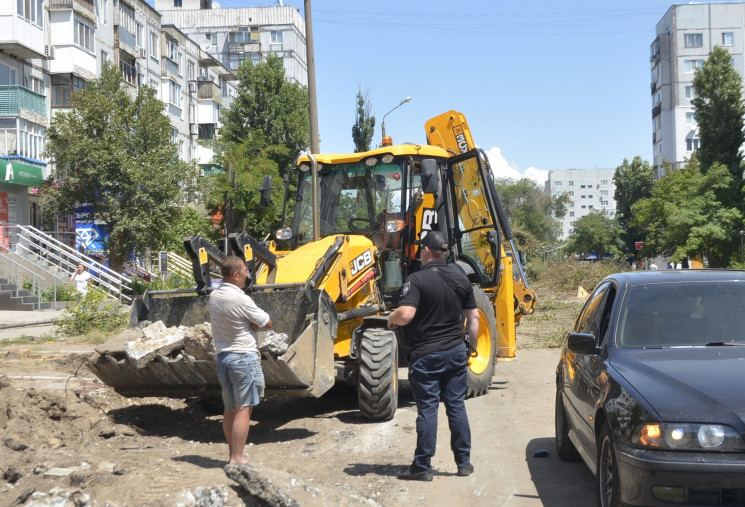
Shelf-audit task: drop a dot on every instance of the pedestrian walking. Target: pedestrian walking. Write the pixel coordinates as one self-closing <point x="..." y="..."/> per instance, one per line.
<point x="235" y="320"/>
<point x="433" y="303"/>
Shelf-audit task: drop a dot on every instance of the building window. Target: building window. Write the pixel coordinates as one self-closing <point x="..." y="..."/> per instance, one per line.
<point x="276" y="37"/>
<point x="190" y="71"/>
<point x="583" y="206"/>
<point x="689" y="92"/>
<point x="177" y="3"/>
<point x="128" y="67"/>
<point x="603" y="192"/>
<point x="244" y="34"/>
<point x="571" y="193"/>
<point x="212" y="38"/>
<point x="174" y="135"/>
<point x="571" y="213"/>
<point x="690" y="118"/>
<point x="557" y="183"/>
<point x="728" y="39"/>
<point x="690" y="66"/>
<point x="571" y="183"/>
<point x="84" y="35"/>
<point x="140" y="36"/>
<point x="692" y="144"/>
<point x="104" y="57"/>
<point x="603" y="182"/>
<point x="582" y="186"/>
<point x="174" y="93"/>
<point x="693" y="40"/>
<point x="7" y="75"/>
<point x="154" y="44"/>
<point x="32" y="10"/>
<point x="583" y="197"/>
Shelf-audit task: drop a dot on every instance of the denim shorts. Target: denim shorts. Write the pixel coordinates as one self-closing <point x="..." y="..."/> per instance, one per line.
<point x="241" y="379"/>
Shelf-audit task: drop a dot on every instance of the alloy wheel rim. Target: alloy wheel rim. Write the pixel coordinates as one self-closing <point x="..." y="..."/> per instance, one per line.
<point x="606" y="473"/>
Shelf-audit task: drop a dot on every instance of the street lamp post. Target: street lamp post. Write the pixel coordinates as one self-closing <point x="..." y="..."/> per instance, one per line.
<point x="404" y="101"/>
<point x="742" y="234"/>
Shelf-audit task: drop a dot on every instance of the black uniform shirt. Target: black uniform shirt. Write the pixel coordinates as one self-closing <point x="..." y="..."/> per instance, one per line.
<point x="438" y="321"/>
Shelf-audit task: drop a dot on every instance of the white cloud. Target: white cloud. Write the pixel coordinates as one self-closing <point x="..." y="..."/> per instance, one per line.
<point x="502" y="168"/>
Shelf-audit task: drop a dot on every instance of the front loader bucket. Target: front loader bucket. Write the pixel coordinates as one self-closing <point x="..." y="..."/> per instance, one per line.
<point x="308" y="318"/>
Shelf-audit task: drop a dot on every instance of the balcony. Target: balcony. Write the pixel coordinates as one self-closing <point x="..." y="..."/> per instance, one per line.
<point x="208" y="90"/>
<point x="69" y="4"/>
<point x="656" y="110"/>
<point x="13" y="98"/>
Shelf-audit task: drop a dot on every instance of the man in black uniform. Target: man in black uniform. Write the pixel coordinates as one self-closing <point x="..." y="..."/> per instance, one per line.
<point x="434" y="301"/>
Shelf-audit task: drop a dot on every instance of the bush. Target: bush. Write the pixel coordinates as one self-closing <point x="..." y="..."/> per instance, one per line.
<point x="63" y="292"/>
<point x="172" y="281"/>
<point x="94" y="311"/>
<point x="566" y="275"/>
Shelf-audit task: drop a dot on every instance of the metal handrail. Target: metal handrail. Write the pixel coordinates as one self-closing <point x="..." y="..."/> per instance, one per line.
<point x="8" y="254"/>
<point x="105" y="277"/>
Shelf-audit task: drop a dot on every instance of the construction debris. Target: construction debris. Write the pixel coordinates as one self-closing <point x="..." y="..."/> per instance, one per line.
<point x="157" y="340"/>
<point x="274" y="343"/>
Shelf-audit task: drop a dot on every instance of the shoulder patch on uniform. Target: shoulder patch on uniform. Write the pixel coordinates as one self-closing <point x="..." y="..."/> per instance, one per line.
<point x="405" y="288"/>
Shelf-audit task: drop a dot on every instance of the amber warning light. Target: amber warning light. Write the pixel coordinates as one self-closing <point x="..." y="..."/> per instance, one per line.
<point x="387" y="141"/>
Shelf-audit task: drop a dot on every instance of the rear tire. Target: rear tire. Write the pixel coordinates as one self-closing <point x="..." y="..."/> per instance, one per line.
<point x="377" y="388"/>
<point x="606" y="477"/>
<point x="564" y="447"/>
<point x="481" y="368"/>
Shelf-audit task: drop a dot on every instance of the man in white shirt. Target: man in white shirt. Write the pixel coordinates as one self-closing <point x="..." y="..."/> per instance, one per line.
<point x="81" y="278"/>
<point x="235" y="319"/>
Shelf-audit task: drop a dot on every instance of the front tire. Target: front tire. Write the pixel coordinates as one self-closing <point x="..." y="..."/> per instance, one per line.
<point x="606" y="476"/>
<point x="377" y="387"/>
<point x="564" y="446"/>
<point x="481" y="368"/>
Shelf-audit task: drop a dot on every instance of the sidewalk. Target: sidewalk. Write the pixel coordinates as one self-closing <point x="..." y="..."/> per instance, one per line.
<point x="38" y="323"/>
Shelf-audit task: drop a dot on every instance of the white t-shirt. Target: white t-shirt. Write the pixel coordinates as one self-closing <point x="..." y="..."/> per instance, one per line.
<point x="231" y="313"/>
<point x="81" y="282"/>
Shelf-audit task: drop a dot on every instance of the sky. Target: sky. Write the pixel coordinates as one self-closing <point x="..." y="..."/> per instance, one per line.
<point x="544" y="85"/>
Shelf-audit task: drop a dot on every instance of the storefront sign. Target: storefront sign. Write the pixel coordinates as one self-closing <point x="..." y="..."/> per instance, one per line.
<point x="17" y="173"/>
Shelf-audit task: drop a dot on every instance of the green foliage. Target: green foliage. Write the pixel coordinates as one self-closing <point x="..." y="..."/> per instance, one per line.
<point x="63" y="292"/>
<point x="114" y="153"/>
<point x="263" y="133"/>
<point x="685" y="216"/>
<point x="172" y="281"/>
<point x="564" y="276"/>
<point x="633" y="181"/>
<point x="532" y="212"/>
<point x="94" y="311"/>
<point x="188" y="222"/>
<point x="363" y="129"/>
<point x="268" y="111"/>
<point x="719" y="110"/>
<point x="595" y="233"/>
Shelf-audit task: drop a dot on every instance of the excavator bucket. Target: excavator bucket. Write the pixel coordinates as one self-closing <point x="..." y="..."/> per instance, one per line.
<point x="305" y="368"/>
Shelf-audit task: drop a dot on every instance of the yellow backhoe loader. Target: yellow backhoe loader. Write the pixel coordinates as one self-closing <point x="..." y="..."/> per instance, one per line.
<point x="329" y="280"/>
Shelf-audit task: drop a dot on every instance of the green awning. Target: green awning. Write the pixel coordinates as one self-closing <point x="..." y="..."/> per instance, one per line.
<point x="208" y="169"/>
<point x="17" y="173"/>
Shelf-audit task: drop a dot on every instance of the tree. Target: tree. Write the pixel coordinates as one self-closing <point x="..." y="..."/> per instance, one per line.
<point x="532" y="212"/>
<point x="268" y="112"/>
<point x="364" y="124"/>
<point x="114" y="152"/>
<point x="263" y="133"/>
<point x="633" y="181"/>
<point x="685" y="218"/>
<point x="719" y="110"/>
<point x="595" y="233"/>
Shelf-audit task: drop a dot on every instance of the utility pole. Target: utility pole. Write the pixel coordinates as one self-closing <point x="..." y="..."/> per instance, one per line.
<point x="315" y="145"/>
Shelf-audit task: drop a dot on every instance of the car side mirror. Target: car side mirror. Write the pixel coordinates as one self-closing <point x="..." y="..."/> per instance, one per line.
<point x="582" y="343"/>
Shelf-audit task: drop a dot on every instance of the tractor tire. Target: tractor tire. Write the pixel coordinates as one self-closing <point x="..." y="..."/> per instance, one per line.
<point x="481" y="368"/>
<point x="377" y="386"/>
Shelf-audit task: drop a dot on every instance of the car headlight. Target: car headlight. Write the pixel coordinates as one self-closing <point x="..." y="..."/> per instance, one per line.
<point x="688" y="437"/>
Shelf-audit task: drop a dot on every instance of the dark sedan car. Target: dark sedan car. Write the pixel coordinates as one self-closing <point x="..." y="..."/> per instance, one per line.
<point x="650" y="388"/>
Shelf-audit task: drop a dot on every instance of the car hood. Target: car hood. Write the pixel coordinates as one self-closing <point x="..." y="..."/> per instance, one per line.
<point x="693" y="384"/>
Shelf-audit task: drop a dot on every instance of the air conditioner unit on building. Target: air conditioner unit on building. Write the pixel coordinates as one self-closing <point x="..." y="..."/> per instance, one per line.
<point x="143" y="52"/>
<point x="49" y="51"/>
<point x="192" y="87"/>
<point x="194" y="129"/>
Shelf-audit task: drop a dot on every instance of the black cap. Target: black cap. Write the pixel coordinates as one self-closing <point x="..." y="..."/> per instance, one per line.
<point x="434" y="240"/>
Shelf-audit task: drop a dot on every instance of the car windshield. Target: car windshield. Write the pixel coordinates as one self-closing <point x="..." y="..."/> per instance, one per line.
<point x="683" y="315"/>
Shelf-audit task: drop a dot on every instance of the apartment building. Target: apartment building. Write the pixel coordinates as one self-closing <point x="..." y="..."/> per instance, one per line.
<point x="51" y="48"/>
<point x="684" y="37"/>
<point x="589" y="190"/>
<point x="234" y="35"/>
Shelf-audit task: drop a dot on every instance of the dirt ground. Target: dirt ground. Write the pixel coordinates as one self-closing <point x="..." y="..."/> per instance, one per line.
<point x="69" y="440"/>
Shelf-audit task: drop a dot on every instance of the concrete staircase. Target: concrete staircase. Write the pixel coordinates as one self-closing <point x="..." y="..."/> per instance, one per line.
<point x="16" y="299"/>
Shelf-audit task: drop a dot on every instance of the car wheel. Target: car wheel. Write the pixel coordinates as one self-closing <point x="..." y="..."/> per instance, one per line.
<point x="606" y="476"/>
<point x="564" y="446"/>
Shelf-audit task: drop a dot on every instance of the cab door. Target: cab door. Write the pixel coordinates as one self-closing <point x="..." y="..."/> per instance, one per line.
<point x="474" y="220"/>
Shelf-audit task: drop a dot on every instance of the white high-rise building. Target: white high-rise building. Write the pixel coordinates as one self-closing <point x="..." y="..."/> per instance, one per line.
<point x="234" y="35"/>
<point x="684" y="37"/>
<point x="589" y="190"/>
